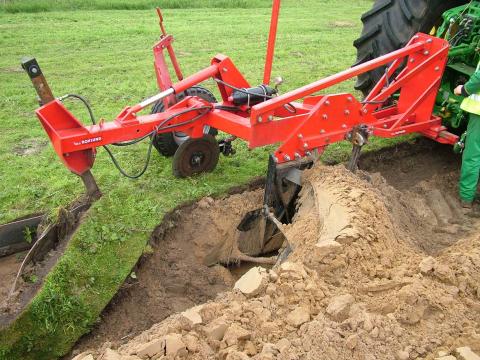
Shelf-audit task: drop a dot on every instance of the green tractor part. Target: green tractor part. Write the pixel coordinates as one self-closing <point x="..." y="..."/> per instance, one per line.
<point x="461" y="27"/>
<point x="460" y="145"/>
<point x="389" y="24"/>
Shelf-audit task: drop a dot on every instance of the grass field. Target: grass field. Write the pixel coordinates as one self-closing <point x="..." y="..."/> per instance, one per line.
<point x="106" y="57"/>
<point x="19" y="6"/>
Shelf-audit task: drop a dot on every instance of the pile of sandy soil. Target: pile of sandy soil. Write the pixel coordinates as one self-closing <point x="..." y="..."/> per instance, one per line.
<point x="376" y="273"/>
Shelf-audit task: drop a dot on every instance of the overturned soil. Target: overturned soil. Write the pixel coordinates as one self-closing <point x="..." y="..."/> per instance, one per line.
<point x="385" y="265"/>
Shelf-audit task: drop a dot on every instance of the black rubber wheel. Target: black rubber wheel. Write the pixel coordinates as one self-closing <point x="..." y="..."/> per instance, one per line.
<point x="389" y="25"/>
<point x="195" y="156"/>
<point x="166" y="143"/>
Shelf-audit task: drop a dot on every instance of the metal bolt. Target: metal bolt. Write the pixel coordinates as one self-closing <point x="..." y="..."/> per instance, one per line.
<point x="286" y="158"/>
<point x="300" y="136"/>
<point x="429" y="41"/>
<point x="322" y="131"/>
<point x="426" y="52"/>
<point x="297" y="156"/>
<point x="134" y="114"/>
<point x="437" y="68"/>
<point x="34" y="70"/>
<point x="349" y="99"/>
<point x="365" y="111"/>
<point x="225" y="69"/>
<point x="305" y="145"/>
<point x="308" y="153"/>
<point x="325" y="117"/>
<point x="260" y="119"/>
<point x="385" y="126"/>
<point x="270" y="117"/>
<point x="327" y="102"/>
<point x="275" y="160"/>
<point x="344" y="126"/>
<point x="347" y="112"/>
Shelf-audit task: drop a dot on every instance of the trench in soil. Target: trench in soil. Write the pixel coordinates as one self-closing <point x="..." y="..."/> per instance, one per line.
<point x="174" y="276"/>
<point x="25" y="266"/>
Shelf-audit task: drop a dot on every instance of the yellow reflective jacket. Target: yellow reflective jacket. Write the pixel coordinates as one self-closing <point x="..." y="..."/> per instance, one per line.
<point x="471" y="104"/>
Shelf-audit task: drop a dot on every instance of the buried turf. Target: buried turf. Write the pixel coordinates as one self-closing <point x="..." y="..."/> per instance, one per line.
<point x="370" y="289"/>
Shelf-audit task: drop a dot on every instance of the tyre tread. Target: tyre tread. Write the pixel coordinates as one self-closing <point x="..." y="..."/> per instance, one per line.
<point x="389" y="25"/>
<point x="165" y="143"/>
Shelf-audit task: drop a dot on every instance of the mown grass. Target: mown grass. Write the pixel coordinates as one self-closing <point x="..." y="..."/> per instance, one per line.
<point x="22" y="6"/>
<point x="106" y="56"/>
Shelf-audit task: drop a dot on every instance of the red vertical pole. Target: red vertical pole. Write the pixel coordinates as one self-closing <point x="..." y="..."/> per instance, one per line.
<point x="160" y="22"/>
<point x="271" y="42"/>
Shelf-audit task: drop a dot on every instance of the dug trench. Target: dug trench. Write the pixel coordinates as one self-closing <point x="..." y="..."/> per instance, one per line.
<point x="385" y="265"/>
<point x="30" y="248"/>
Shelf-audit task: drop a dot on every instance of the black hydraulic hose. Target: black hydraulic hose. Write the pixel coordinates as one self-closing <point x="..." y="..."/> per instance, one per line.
<point x="145" y="166"/>
<point x="84" y="101"/>
<point x="151" y="134"/>
<point x="162" y="127"/>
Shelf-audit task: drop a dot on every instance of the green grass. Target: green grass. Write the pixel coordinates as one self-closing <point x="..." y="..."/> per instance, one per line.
<point x="22" y="6"/>
<point x="106" y="57"/>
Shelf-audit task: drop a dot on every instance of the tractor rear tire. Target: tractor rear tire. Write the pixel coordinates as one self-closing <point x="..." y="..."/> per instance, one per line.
<point x="166" y="143"/>
<point x="389" y="25"/>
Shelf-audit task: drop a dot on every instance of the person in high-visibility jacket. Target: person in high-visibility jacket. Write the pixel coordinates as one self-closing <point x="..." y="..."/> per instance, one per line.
<point x="471" y="155"/>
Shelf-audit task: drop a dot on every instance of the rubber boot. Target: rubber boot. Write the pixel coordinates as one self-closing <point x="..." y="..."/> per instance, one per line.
<point x="470" y="161"/>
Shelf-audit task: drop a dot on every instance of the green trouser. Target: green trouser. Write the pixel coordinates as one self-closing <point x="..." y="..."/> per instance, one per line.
<point x="471" y="160"/>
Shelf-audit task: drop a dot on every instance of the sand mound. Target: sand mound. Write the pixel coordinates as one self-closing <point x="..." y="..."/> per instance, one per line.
<point x="376" y="273"/>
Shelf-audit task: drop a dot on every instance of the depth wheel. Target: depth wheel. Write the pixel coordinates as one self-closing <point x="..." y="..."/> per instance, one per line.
<point x="167" y="143"/>
<point x="195" y="156"/>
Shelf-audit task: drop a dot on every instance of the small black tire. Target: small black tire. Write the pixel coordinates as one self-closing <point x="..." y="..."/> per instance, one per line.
<point x="389" y="25"/>
<point x="195" y="156"/>
<point x="165" y="143"/>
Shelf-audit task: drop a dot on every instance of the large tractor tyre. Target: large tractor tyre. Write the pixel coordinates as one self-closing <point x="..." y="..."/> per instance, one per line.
<point x="389" y="25"/>
<point x="168" y="143"/>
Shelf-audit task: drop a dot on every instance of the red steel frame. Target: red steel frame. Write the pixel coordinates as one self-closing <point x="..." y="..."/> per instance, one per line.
<point x="318" y="120"/>
<point x="161" y="69"/>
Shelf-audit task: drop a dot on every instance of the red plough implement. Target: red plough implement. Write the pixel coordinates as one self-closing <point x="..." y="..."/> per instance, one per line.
<point x="300" y="127"/>
<point x="300" y="121"/>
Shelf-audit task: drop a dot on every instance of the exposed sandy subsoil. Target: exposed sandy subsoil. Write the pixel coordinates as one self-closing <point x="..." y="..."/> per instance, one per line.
<point x="175" y="276"/>
<point x="385" y="265"/>
<point x="9" y="266"/>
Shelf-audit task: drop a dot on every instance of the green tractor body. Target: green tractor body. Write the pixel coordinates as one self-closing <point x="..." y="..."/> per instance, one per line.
<point x="461" y="27"/>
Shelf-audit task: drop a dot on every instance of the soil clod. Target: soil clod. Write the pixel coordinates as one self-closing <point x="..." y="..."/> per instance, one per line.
<point x="384" y="265"/>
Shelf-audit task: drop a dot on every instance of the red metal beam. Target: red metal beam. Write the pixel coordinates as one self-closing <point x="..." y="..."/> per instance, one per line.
<point x="272" y="37"/>
<point x="318" y="121"/>
<point x="322" y="84"/>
